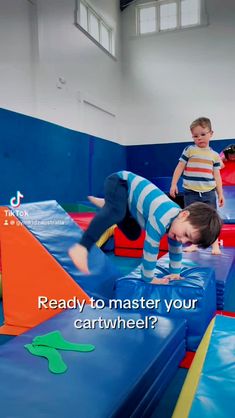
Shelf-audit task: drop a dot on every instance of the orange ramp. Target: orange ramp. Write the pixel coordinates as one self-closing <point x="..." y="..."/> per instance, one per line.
<point x="29" y="271"/>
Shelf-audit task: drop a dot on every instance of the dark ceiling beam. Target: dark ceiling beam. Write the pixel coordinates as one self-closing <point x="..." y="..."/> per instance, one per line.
<point x="125" y="3"/>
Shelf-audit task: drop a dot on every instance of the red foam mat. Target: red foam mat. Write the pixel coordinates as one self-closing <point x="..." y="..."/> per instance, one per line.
<point x="227" y="235"/>
<point x="126" y="248"/>
<point x="187" y="360"/>
<point x="82" y="219"/>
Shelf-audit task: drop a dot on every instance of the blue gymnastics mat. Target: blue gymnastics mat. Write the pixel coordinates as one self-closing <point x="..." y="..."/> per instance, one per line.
<point x="214" y="396"/>
<point x="153" y="395"/>
<point x="111" y="381"/>
<point x="197" y="284"/>
<point x="57" y="232"/>
<point x="223" y="266"/>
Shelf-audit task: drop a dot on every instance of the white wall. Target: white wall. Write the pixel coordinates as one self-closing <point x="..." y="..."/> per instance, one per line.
<point x="150" y="94"/>
<point x="17" y="56"/>
<point x="88" y="72"/>
<point x="169" y="79"/>
<point x="41" y="45"/>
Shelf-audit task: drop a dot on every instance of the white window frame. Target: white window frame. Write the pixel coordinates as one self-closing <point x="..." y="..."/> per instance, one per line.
<point x="202" y="19"/>
<point x="101" y="21"/>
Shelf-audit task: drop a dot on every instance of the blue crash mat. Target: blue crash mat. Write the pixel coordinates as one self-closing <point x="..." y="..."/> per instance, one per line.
<point x="197" y="284"/>
<point x="149" y="402"/>
<point x="214" y="396"/>
<point x="110" y="381"/>
<point x="3" y="338"/>
<point x="57" y="232"/>
<point x="223" y="265"/>
<point x="227" y="212"/>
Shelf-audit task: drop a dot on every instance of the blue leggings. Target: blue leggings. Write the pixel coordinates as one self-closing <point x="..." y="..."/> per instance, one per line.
<point x="115" y="211"/>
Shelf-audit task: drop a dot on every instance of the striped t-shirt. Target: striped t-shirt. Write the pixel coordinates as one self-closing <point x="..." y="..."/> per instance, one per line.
<point x="199" y="170"/>
<point x="154" y="211"/>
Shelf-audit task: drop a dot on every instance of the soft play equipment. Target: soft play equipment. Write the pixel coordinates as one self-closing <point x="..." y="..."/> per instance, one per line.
<point x="198" y="285"/>
<point x="35" y="262"/>
<point x="124" y="376"/>
<point x="208" y="390"/>
<point x="227" y="235"/>
<point x="84" y="219"/>
<point x="124" y="247"/>
<point x="223" y="266"/>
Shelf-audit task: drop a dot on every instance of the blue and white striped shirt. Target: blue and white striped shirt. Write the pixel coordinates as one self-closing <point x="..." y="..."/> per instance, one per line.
<point x="154" y="211"/>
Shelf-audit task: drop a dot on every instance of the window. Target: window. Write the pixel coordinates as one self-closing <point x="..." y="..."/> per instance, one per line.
<point x="147" y="19"/>
<point x="164" y="15"/>
<point x="94" y="26"/>
<point x="190" y="12"/>
<point x="83" y="16"/>
<point x="168" y="16"/>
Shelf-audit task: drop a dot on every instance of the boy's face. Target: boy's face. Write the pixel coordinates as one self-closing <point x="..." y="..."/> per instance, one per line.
<point x="181" y="230"/>
<point x="201" y="136"/>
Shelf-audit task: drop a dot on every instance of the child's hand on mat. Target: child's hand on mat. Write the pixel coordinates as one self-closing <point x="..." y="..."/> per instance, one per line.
<point x="171" y="277"/>
<point x="164" y="280"/>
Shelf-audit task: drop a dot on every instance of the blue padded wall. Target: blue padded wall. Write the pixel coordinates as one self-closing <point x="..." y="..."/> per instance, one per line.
<point x="107" y="158"/>
<point x="159" y="160"/>
<point x="46" y="161"/>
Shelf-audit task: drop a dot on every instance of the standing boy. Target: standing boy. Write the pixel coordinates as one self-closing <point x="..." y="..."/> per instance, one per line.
<point x="200" y="166"/>
<point x="133" y="203"/>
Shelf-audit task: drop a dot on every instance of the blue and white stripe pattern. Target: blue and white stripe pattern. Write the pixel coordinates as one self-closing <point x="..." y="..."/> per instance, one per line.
<point x="154" y="211"/>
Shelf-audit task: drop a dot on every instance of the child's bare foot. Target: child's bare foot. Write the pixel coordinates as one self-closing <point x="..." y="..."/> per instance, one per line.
<point x="97" y="201"/>
<point x="190" y="249"/>
<point x="79" y="256"/>
<point x="160" y="281"/>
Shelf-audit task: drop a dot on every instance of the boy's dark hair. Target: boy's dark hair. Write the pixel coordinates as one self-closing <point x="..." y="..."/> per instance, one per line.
<point x="229" y="150"/>
<point x="206" y="221"/>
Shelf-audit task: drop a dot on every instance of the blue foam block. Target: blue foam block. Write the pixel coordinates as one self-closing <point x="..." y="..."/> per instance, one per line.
<point x="57" y="232"/>
<point x="198" y="283"/>
<point x="214" y="396"/>
<point x="153" y="395"/>
<point x="113" y="378"/>
<point x="223" y="265"/>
